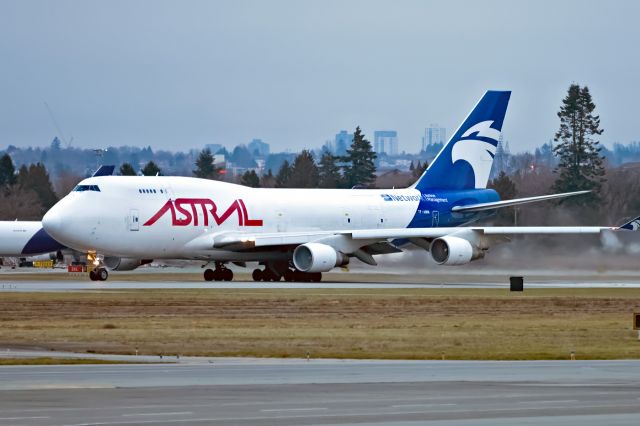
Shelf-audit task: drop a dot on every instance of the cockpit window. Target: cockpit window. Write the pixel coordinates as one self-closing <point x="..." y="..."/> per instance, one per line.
<point x="81" y="188"/>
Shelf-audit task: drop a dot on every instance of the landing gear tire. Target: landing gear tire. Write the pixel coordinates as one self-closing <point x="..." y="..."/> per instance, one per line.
<point x="92" y="276"/>
<point x="299" y="276"/>
<point x="257" y="275"/>
<point x="102" y="274"/>
<point x="307" y="277"/>
<point x="289" y="275"/>
<point x="265" y="275"/>
<point x="209" y="274"/>
<point x="219" y="274"/>
<point x="276" y="278"/>
<point x="227" y="274"/>
<point x="269" y="275"/>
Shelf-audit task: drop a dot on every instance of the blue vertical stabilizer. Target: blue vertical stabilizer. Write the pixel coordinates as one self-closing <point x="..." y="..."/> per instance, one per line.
<point x="465" y="161"/>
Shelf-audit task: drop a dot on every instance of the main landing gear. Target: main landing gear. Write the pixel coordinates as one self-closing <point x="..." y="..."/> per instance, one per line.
<point x="221" y="273"/>
<point x="290" y="275"/>
<point x="99" y="274"/>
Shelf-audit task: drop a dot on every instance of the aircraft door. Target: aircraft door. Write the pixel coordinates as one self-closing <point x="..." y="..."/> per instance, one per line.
<point x="168" y="193"/>
<point x="281" y="224"/>
<point x="374" y="217"/>
<point x="134" y="220"/>
<point x="435" y="218"/>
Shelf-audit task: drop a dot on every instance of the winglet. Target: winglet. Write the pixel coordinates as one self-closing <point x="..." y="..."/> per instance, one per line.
<point x="632" y="225"/>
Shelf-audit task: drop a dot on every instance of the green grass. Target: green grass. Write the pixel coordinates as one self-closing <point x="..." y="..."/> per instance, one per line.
<point x="439" y="276"/>
<point x="55" y="361"/>
<point x="341" y="323"/>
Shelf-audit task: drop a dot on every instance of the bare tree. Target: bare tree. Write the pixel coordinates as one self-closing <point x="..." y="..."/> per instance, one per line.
<point x="20" y="204"/>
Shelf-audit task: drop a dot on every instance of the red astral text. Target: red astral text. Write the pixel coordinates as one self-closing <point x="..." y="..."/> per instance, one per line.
<point x="184" y="212"/>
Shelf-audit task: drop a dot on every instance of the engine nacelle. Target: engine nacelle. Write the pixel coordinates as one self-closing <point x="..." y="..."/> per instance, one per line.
<point x="317" y="257"/>
<point x="450" y="250"/>
<point x="124" y="263"/>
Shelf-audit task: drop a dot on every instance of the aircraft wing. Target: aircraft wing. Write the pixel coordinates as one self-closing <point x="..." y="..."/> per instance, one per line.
<point x="485" y="230"/>
<point x="514" y="202"/>
<point x="234" y="241"/>
<point x="361" y="237"/>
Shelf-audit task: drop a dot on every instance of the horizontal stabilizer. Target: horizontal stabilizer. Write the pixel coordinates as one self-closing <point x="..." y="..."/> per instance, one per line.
<point x="514" y="202"/>
<point x="633" y="225"/>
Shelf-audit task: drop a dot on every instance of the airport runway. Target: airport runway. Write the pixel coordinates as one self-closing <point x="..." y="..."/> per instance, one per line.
<point x="299" y="392"/>
<point x="61" y="285"/>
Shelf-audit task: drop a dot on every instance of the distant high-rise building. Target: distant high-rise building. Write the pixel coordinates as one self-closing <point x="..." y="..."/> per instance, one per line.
<point x="385" y="141"/>
<point x="501" y="157"/>
<point x="342" y="142"/>
<point x="258" y="148"/>
<point x="433" y="135"/>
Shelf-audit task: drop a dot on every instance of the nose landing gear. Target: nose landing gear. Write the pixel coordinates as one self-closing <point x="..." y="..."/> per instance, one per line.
<point x="99" y="274"/>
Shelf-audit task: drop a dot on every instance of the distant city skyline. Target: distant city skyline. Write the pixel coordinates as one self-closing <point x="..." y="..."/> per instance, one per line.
<point x="385" y="141"/>
<point x="434" y="134"/>
<point x="180" y="75"/>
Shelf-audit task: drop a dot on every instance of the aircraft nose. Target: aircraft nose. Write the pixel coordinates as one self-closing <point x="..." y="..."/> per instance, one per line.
<point x="52" y="222"/>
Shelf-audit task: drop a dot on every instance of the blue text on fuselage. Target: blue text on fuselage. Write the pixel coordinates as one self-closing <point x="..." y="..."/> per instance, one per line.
<point x="422" y="197"/>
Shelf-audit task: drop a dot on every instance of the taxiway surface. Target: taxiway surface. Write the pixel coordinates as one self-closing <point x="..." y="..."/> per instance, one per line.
<point x="287" y="392"/>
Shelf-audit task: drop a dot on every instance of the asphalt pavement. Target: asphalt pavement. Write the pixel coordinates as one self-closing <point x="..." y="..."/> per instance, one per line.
<point x="238" y="391"/>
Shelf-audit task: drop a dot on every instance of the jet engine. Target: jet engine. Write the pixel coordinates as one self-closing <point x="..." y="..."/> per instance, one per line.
<point x="317" y="257"/>
<point x="450" y="250"/>
<point x="124" y="263"/>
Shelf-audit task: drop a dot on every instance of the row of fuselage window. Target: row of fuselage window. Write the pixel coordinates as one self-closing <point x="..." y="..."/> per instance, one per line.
<point x="151" y="191"/>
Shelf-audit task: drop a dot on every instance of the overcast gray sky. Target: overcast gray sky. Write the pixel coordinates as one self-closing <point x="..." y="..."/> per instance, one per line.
<point x="179" y="74"/>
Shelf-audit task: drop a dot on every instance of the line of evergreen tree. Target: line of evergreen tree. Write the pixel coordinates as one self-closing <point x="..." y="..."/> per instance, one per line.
<point x="355" y="169"/>
<point x="205" y="166"/>
<point x="329" y="175"/>
<point x="151" y="169"/>
<point x="250" y="178"/>
<point x="358" y="168"/>
<point x="127" y="169"/>
<point x="506" y="188"/>
<point x="418" y="169"/>
<point x="304" y="172"/>
<point x="284" y="175"/>
<point x="580" y="166"/>
<point x="7" y="171"/>
<point x="26" y="194"/>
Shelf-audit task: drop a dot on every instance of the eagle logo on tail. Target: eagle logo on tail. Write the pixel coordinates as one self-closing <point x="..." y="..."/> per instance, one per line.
<point x="477" y="152"/>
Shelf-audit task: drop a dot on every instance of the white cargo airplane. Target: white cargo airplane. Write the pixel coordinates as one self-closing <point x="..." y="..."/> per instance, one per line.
<point x="25" y="239"/>
<point x="298" y="233"/>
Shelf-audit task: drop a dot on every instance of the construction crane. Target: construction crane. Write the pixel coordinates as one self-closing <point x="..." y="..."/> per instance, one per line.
<point x="57" y="126"/>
